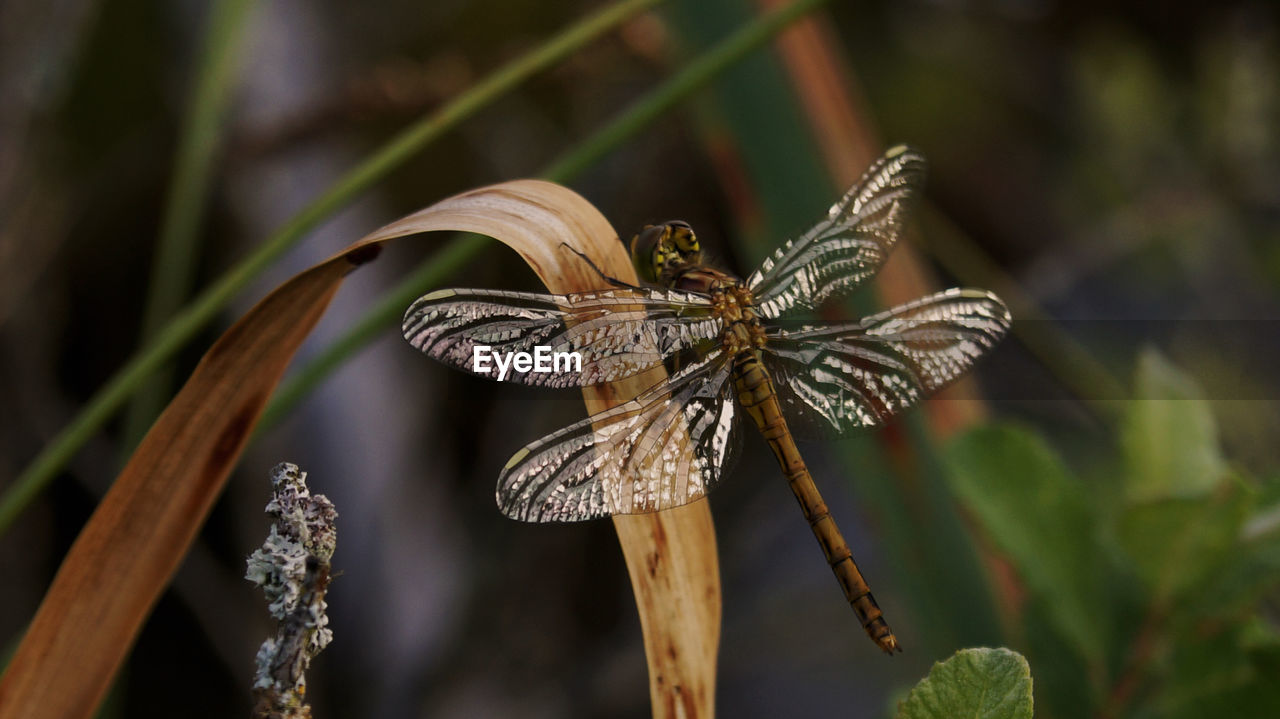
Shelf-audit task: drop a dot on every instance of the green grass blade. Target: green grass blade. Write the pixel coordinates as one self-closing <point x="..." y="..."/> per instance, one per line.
<point x="177" y="245"/>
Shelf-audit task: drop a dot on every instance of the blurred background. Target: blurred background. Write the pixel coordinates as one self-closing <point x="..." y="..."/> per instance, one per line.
<point x="1103" y="499"/>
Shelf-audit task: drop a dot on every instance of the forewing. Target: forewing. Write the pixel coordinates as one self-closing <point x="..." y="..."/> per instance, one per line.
<point x="832" y="380"/>
<point x="848" y="245"/>
<point x="665" y="448"/>
<point x="617" y="333"/>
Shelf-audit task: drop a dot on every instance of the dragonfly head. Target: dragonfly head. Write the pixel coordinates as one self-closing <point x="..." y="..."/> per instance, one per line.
<point x="660" y="251"/>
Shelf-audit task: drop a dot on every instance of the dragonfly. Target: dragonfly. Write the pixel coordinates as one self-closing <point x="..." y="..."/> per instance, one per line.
<point x="732" y="349"/>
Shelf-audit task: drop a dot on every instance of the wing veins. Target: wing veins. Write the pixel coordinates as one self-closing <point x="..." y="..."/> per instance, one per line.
<point x="551" y="479"/>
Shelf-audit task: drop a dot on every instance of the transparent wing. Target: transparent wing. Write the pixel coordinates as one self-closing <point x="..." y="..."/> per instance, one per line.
<point x="848" y="245"/>
<point x="665" y="448"/>
<point x="834" y="379"/>
<point x="617" y="333"/>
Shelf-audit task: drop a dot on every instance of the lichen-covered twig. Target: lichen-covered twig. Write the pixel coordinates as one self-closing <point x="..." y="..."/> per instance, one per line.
<point x="292" y="567"/>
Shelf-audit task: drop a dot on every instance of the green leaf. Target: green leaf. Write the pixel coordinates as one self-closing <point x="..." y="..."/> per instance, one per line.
<point x="1253" y="569"/>
<point x="1037" y="515"/>
<point x="1064" y="687"/>
<point x="1222" y="670"/>
<point x="975" y="684"/>
<point x="1169" y="435"/>
<point x="1177" y="543"/>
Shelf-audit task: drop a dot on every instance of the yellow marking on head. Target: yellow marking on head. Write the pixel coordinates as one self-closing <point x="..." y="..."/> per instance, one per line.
<point x="683" y="238"/>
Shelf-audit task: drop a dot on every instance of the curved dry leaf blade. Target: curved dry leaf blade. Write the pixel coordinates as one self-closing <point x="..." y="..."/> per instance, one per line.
<point x="671" y="556"/>
<point x="675" y="575"/>
<point x="136" y="538"/>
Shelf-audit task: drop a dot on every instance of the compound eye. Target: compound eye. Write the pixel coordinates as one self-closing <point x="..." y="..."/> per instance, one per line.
<point x="646" y="240"/>
<point x="646" y="251"/>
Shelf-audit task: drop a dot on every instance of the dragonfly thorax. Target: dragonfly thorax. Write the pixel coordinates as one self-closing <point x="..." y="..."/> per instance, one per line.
<point x="732" y="303"/>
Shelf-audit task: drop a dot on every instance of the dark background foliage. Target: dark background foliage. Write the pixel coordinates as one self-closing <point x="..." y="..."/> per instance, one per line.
<point x="1118" y="163"/>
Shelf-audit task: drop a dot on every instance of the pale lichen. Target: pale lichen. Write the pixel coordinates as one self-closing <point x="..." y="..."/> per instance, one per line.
<point x="292" y="568"/>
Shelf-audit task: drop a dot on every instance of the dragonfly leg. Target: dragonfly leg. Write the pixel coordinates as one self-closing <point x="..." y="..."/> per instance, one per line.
<point x="611" y="280"/>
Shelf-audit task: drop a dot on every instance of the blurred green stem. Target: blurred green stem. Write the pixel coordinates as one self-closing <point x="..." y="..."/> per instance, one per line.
<point x="1086" y="377"/>
<point x="458" y="252"/>
<point x="693" y="77"/>
<point x="196" y="315"/>
<point x="178" y="243"/>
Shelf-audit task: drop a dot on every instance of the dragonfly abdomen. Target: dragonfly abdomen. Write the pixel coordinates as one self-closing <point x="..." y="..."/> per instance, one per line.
<point x="759" y="399"/>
